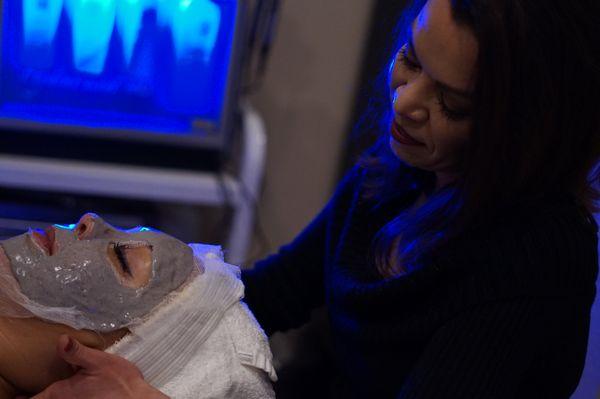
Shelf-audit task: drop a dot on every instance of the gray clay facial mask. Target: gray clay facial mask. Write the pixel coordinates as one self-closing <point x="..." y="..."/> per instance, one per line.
<point x="89" y="271"/>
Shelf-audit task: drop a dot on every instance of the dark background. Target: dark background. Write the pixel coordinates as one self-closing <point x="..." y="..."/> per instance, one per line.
<point x="312" y="359"/>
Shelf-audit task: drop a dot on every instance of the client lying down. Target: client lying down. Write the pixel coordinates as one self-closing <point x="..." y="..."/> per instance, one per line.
<point x="172" y="309"/>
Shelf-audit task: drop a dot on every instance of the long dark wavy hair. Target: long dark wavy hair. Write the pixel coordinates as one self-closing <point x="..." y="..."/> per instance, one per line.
<point x="536" y="124"/>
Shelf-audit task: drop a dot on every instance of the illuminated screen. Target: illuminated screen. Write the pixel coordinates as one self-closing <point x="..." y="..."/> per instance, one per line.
<point x="142" y="65"/>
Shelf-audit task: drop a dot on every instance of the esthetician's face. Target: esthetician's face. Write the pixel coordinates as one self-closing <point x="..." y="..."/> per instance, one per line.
<point x="431" y="82"/>
<point x="111" y="276"/>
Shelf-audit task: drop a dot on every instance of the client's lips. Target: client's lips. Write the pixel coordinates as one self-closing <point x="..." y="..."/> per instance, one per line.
<point x="44" y="239"/>
<point x="400" y="135"/>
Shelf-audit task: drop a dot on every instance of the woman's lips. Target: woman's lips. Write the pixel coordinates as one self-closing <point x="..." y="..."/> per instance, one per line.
<point x="400" y="135"/>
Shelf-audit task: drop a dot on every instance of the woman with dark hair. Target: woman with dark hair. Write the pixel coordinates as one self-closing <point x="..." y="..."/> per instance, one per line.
<point x="460" y="260"/>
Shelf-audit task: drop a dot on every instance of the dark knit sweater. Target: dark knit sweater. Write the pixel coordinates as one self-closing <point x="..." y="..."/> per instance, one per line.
<point x="503" y="312"/>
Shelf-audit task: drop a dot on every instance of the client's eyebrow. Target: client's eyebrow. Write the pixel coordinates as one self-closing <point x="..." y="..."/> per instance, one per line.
<point x="444" y="86"/>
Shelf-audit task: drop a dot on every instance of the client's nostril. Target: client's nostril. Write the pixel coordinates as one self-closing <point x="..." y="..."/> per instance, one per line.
<point x="81" y="229"/>
<point x="84" y="227"/>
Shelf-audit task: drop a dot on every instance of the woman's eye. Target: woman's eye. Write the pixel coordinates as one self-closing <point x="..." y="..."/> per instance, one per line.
<point x="406" y="61"/>
<point x="452" y="114"/>
<point x="404" y="56"/>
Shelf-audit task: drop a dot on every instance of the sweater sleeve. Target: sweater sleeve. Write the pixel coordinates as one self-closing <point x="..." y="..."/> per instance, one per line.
<point x="284" y="288"/>
<point x="487" y="351"/>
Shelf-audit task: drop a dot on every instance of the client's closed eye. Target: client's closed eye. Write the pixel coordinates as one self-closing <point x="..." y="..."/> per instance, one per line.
<point x="120" y="251"/>
<point x="131" y="263"/>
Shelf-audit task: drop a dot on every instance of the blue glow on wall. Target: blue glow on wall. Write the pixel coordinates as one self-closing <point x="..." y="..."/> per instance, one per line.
<point x="158" y="65"/>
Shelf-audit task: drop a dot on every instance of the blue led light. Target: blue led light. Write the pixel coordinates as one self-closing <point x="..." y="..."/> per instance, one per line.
<point x="195" y="24"/>
<point x="164" y="12"/>
<point x="40" y="20"/>
<point x="150" y="65"/>
<point x="129" y="23"/>
<point x="93" y="22"/>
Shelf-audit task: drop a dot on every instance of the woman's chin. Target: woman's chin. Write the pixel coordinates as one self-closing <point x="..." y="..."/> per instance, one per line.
<point x="403" y="154"/>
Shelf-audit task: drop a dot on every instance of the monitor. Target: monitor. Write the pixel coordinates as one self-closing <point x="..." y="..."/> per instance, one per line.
<point x="129" y="74"/>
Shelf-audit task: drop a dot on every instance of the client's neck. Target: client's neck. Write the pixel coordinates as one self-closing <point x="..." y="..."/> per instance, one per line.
<point x="112" y="337"/>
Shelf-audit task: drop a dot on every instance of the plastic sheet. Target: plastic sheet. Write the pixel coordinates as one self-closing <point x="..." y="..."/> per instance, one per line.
<point x="80" y="286"/>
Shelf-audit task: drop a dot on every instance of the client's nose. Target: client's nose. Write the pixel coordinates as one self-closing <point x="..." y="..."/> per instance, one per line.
<point x="85" y="226"/>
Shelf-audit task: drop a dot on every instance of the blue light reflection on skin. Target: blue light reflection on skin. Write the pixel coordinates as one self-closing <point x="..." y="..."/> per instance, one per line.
<point x="393" y="93"/>
<point x="138" y="229"/>
<point x="66" y="226"/>
<point x="61" y="65"/>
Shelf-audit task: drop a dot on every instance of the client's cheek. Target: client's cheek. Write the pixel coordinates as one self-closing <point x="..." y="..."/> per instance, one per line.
<point x="4" y="262"/>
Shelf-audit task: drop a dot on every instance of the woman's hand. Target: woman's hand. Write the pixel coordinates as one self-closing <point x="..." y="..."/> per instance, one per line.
<point x="99" y="375"/>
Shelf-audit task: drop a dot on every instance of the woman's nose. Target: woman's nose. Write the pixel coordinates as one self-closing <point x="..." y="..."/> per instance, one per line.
<point x="409" y="105"/>
<point x="416" y="115"/>
<point x="85" y="226"/>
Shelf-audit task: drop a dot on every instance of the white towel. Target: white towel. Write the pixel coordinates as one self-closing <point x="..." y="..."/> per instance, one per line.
<point x="203" y="342"/>
<point x="232" y="363"/>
